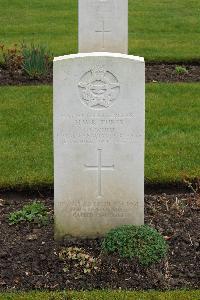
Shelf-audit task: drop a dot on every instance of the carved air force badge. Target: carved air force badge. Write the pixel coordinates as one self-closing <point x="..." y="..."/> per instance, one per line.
<point x="98" y="88"/>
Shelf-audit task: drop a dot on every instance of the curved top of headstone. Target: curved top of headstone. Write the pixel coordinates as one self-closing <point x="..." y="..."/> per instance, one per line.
<point x="99" y="54"/>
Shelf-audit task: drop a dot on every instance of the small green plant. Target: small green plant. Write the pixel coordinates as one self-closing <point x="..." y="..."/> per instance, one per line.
<point x="36" y="61"/>
<point x="181" y="70"/>
<point x="142" y="242"/>
<point x="33" y="212"/>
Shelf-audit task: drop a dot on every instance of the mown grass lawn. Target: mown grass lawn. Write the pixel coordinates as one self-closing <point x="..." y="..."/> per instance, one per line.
<point x="104" y="295"/>
<point x="26" y="136"/>
<point x="172" y="134"/>
<point x="158" y="30"/>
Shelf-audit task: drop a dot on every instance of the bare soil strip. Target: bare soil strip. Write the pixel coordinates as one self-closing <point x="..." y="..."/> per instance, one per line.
<point x="155" y="72"/>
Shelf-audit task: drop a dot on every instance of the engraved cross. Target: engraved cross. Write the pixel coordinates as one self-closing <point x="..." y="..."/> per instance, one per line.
<point x="100" y="167"/>
<point x="103" y="31"/>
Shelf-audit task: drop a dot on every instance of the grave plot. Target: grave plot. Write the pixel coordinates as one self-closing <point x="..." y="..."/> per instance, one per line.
<point x="31" y="259"/>
<point x="81" y="227"/>
<point x="27" y="257"/>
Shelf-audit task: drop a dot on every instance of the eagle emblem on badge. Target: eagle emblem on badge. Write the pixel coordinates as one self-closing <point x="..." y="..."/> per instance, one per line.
<point x="98" y="88"/>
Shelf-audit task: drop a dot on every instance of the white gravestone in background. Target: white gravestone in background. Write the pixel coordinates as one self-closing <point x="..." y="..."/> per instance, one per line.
<point x="98" y="143"/>
<point x="103" y="26"/>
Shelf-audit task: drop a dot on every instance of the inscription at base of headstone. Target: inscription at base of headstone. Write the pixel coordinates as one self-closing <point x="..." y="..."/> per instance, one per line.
<point x="103" y="26"/>
<point x="98" y="143"/>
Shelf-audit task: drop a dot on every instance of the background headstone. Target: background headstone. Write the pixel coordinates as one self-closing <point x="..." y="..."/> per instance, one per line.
<point x="98" y="143"/>
<point x="103" y="26"/>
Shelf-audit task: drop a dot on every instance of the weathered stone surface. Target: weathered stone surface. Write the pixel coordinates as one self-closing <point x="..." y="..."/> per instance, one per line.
<point x="98" y="143"/>
<point x="103" y="26"/>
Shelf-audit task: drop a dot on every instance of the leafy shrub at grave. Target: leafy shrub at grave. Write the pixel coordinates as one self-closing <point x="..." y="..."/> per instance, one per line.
<point x="141" y="242"/>
<point x="36" y="61"/>
<point x="33" y="212"/>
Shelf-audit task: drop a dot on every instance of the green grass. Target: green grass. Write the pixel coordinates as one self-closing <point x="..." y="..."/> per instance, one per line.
<point x="158" y="30"/>
<point x="172" y="134"/>
<point x="103" y="295"/>
<point x="26" y="136"/>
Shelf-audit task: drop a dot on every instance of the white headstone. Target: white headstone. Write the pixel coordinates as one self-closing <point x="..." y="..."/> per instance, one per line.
<point x="98" y="143"/>
<point x="103" y="26"/>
